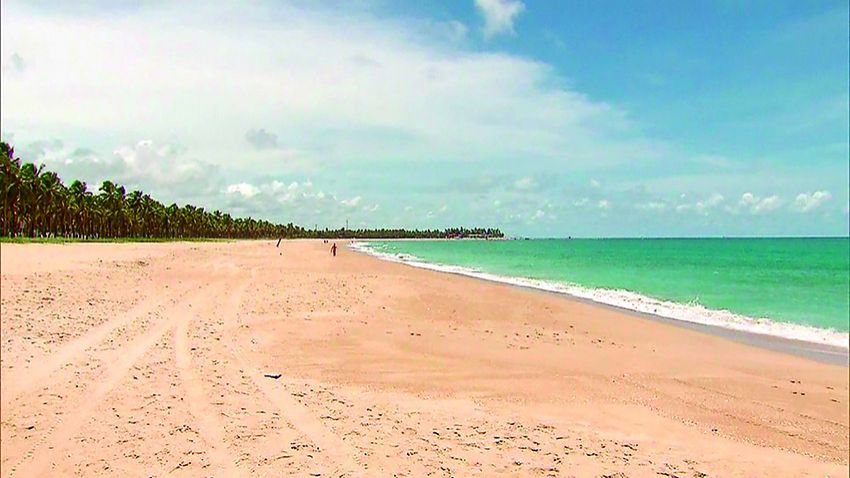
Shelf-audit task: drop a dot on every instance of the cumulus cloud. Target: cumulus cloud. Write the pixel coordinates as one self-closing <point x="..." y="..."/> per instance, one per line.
<point x="167" y="170"/>
<point x="298" y="201"/>
<point x="704" y="206"/>
<point x="604" y="204"/>
<point x="767" y="204"/>
<point x="748" y="199"/>
<point x="244" y="189"/>
<point x="806" y="202"/>
<point x="713" y="201"/>
<point x="757" y="205"/>
<point x="261" y="139"/>
<point x="499" y="15"/>
<point x="163" y="164"/>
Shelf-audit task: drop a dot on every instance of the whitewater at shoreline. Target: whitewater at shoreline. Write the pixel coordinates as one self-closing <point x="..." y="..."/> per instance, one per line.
<point x="631" y="301"/>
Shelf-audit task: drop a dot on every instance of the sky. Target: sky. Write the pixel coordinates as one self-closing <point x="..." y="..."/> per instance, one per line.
<point x="545" y="119"/>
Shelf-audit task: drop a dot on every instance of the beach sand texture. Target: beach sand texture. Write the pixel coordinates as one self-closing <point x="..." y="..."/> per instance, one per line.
<point x="151" y="360"/>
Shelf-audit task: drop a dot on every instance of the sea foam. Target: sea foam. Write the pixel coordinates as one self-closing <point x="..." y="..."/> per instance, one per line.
<point x="694" y="313"/>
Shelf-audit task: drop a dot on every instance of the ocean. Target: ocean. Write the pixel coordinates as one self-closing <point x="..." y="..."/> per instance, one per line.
<point x="796" y="288"/>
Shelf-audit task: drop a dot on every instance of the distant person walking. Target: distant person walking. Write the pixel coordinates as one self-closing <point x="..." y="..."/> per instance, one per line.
<point x="333" y="249"/>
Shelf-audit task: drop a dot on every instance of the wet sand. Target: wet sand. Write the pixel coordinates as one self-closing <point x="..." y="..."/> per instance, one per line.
<point x="241" y="359"/>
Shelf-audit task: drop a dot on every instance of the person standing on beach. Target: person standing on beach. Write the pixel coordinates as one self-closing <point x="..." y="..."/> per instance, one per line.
<point x="333" y="249"/>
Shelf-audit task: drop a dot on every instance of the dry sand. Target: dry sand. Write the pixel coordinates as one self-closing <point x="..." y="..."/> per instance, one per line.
<point x="149" y="360"/>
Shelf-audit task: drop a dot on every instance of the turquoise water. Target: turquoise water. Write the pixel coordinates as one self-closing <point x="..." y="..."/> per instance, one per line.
<point x="799" y="281"/>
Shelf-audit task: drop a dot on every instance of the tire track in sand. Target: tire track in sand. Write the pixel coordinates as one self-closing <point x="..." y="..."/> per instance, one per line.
<point x="49" y="448"/>
<point x="210" y="428"/>
<point x="341" y="455"/>
<point x="29" y="378"/>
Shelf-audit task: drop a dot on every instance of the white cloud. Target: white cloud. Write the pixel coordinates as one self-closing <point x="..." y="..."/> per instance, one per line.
<point x="244" y="189"/>
<point x="166" y="170"/>
<point x="748" y="199"/>
<point x="539" y="214"/>
<point x="352" y="202"/>
<point x="499" y="15"/>
<point x="298" y="201"/>
<point x="757" y="205"/>
<point x="703" y="207"/>
<point x="604" y="204"/>
<point x="768" y="204"/>
<point x="595" y="184"/>
<point x="706" y="205"/>
<point x="806" y="202"/>
<point x="163" y="164"/>
<point x="714" y="200"/>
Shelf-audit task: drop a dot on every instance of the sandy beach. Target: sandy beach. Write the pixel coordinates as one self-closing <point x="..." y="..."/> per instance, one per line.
<point x="243" y="359"/>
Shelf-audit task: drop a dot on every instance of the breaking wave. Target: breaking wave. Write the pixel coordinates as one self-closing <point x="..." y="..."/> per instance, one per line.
<point x="690" y="312"/>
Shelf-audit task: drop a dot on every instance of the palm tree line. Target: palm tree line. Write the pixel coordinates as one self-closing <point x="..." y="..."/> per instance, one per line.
<point x="37" y="204"/>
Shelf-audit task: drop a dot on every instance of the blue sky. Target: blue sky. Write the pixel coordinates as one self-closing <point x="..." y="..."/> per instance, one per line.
<point x="542" y="118"/>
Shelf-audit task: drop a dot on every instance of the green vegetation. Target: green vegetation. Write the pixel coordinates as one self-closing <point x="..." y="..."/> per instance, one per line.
<point x="37" y="206"/>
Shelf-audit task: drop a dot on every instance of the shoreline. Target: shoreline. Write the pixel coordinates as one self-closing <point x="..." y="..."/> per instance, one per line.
<point x="817" y="351"/>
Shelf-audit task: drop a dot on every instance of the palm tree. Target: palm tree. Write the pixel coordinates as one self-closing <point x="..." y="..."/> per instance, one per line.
<point x="10" y="189"/>
<point x="30" y="194"/>
<point x="79" y="207"/>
